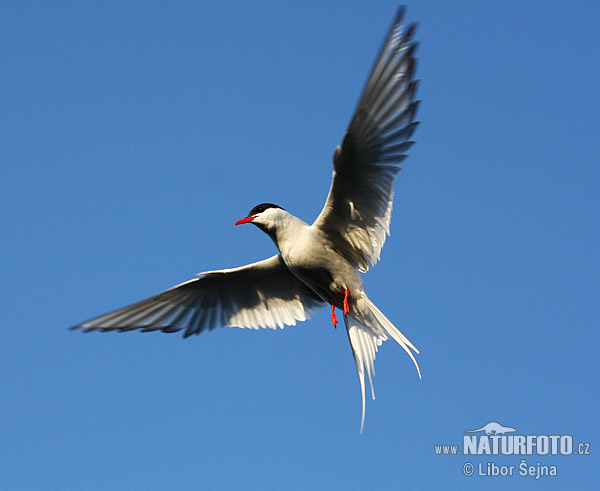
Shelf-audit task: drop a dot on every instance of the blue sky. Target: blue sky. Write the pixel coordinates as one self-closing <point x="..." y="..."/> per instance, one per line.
<point x="133" y="136"/>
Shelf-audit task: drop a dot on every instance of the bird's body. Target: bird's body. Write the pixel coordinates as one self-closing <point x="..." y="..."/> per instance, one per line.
<point x="309" y="255"/>
<point x="317" y="264"/>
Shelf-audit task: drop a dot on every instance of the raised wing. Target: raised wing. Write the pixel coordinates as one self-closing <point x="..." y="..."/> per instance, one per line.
<point x="356" y="216"/>
<point x="262" y="294"/>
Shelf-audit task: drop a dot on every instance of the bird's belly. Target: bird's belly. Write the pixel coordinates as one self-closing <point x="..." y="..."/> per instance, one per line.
<point x="324" y="272"/>
<point x="318" y="280"/>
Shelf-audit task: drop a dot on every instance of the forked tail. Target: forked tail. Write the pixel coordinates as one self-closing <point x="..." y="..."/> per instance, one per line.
<point x="366" y="340"/>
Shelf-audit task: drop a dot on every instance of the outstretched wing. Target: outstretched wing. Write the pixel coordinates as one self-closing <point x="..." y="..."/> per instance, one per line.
<point x="356" y="216"/>
<point x="262" y="294"/>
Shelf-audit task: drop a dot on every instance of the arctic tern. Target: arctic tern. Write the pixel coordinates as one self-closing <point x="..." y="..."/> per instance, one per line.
<point x="317" y="264"/>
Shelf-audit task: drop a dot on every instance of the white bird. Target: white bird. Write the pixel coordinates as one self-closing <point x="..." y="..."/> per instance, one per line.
<point x="317" y="264"/>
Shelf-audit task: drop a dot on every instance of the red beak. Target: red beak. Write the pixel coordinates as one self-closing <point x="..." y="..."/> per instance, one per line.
<point x="245" y="220"/>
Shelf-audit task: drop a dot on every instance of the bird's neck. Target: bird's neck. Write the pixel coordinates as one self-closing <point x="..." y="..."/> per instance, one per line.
<point x="285" y="231"/>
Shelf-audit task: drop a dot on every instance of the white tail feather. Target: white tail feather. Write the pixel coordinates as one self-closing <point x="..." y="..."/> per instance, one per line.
<point x="393" y="332"/>
<point x="364" y="346"/>
<point x="366" y="340"/>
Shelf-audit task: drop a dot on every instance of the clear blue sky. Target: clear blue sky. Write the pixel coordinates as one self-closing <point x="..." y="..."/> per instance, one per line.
<point x="133" y="136"/>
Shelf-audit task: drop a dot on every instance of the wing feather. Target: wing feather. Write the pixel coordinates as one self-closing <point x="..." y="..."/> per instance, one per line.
<point x="357" y="213"/>
<point x="262" y="294"/>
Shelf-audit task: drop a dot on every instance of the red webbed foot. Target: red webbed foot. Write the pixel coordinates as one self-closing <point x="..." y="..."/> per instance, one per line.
<point x="346" y="306"/>
<point x="334" y="320"/>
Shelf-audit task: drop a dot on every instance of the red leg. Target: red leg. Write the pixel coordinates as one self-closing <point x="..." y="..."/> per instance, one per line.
<point x="346" y="306"/>
<point x="334" y="320"/>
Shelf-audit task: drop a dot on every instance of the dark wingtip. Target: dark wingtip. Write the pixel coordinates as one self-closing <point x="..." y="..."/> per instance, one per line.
<point x="400" y="13"/>
<point x="415" y="107"/>
<point x="410" y="30"/>
<point x="413" y="126"/>
<point x="80" y="328"/>
<point x="413" y="47"/>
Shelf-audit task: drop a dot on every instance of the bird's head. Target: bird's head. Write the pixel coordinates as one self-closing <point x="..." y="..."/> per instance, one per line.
<point x="265" y="216"/>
